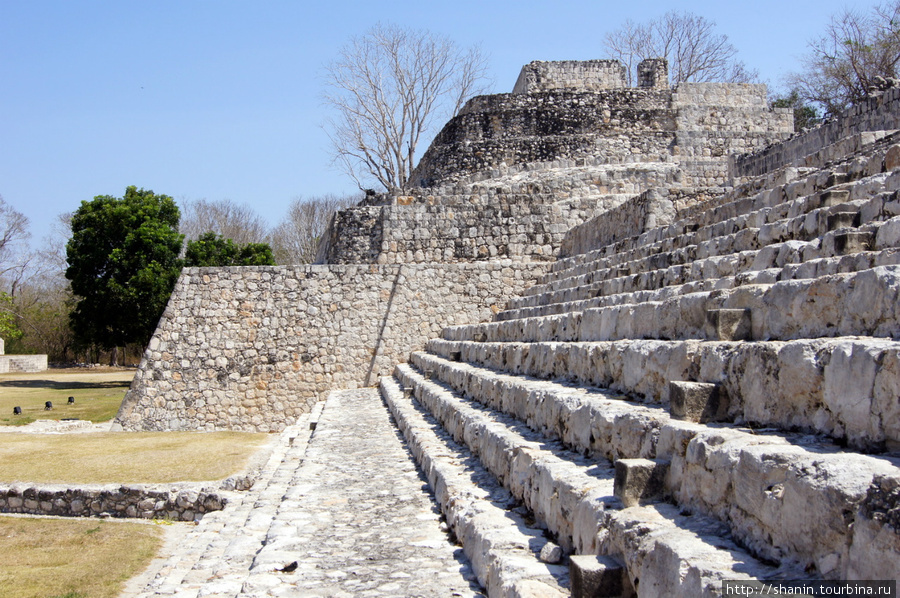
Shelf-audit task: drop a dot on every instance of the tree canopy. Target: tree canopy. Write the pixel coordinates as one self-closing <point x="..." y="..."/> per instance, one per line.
<point x="387" y="87"/>
<point x="853" y="57"/>
<point x="122" y="264"/>
<point x="214" y="250"/>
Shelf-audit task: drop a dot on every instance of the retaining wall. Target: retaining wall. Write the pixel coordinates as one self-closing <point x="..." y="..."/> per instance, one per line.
<point x="135" y="501"/>
<point x="252" y="348"/>
<point x="22" y="363"/>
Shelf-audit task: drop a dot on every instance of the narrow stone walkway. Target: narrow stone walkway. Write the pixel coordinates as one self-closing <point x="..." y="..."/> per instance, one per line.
<point x="345" y="503"/>
<point x="358" y="519"/>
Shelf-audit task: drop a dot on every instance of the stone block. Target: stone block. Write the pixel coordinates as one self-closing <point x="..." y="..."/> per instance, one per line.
<point x="598" y="577"/>
<point x="697" y="401"/>
<point x="892" y="158"/>
<point x="853" y="242"/>
<point x="843" y="220"/>
<point x="728" y="324"/>
<point x="834" y="197"/>
<point x="640" y="480"/>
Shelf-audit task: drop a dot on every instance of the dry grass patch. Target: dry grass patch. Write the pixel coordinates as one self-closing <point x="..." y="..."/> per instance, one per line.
<point x="97" y="392"/>
<point x="72" y="558"/>
<point x="126" y="457"/>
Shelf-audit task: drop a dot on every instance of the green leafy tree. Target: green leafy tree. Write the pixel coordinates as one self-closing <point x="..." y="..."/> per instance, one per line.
<point x="805" y="115"/>
<point x="122" y="263"/>
<point x="9" y="329"/>
<point x="214" y="250"/>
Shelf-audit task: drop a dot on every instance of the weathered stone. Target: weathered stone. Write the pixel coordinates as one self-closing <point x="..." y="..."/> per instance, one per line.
<point x="598" y="577"/>
<point x="728" y="324"/>
<point x="640" y="480"/>
<point x="697" y="401"/>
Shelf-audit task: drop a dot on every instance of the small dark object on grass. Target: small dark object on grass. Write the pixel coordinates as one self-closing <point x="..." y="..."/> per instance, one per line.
<point x="48" y="405"/>
<point x="71" y="400"/>
<point x="289" y="568"/>
<point x="17" y="411"/>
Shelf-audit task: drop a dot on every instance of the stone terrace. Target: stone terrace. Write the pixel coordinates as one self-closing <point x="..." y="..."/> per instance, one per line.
<point x="703" y="387"/>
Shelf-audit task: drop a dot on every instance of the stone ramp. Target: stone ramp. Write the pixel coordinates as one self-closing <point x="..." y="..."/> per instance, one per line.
<point x="344" y="501"/>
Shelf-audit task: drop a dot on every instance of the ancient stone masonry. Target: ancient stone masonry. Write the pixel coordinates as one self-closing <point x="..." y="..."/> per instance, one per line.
<point x="253" y="348"/>
<point x="571" y="142"/>
<point x="655" y="366"/>
<point x="21" y="363"/>
<point x="186" y="503"/>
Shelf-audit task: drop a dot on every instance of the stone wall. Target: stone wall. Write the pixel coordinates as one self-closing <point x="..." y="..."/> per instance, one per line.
<point x="252" y="348"/>
<point x="22" y="363"/>
<point x="584" y="75"/>
<point x="450" y="229"/>
<point x="621" y="125"/>
<point x="136" y="501"/>
<point x="652" y="208"/>
<point x="877" y="113"/>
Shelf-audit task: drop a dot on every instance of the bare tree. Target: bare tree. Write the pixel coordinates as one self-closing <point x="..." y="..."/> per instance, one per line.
<point x="387" y="87"/>
<point x="238" y="222"/>
<point x="855" y="55"/>
<point x="13" y="236"/>
<point x="295" y="240"/>
<point x="689" y="42"/>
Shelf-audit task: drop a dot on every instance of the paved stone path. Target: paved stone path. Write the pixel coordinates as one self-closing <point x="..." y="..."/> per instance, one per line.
<point x="346" y="504"/>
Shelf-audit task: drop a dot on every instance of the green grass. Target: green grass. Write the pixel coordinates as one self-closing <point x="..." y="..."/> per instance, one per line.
<point x="72" y="558"/>
<point x="98" y="394"/>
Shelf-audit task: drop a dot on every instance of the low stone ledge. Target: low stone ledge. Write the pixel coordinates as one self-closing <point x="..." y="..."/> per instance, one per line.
<point x="179" y="503"/>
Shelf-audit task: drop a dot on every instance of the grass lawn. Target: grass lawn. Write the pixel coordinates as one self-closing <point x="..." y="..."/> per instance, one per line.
<point x="72" y="558"/>
<point x="98" y="393"/>
<point x="126" y="457"/>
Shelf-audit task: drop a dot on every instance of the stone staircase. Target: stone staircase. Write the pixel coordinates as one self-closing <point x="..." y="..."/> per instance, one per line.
<point x="713" y="399"/>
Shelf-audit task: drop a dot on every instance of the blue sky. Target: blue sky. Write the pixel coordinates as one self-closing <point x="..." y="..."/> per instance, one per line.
<point x="221" y="99"/>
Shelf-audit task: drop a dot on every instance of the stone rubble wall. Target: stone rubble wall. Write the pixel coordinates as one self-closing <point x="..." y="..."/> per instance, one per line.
<point x="252" y="348"/>
<point x="877" y="113"/>
<point x="135" y="501"/>
<point x="22" y="363"/>
<point x="449" y="229"/>
<point x="504" y="129"/>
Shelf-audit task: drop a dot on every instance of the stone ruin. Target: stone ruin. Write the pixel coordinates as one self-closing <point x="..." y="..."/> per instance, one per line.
<point x="21" y="363"/>
<point x="662" y="322"/>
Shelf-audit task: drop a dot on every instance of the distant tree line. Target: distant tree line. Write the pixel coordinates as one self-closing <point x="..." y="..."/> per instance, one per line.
<point x="102" y="279"/>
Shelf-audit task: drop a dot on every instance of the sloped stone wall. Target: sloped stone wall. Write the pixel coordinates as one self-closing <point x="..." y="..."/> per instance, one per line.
<point x="253" y="348"/>
<point x="877" y="113"/>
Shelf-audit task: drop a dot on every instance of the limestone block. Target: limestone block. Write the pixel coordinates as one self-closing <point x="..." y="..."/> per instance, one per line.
<point x="640" y="480"/>
<point x="697" y="401"/>
<point x="853" y="242"/>
<point x="892" y="158"/>
<point x="728" y="324"/>
<point x="833" y="197"/>
<point x="598" y="577"/>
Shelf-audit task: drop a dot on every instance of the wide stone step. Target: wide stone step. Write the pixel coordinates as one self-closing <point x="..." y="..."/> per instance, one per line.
<point x="826" y="233"/>
<point x="843" y="387"/>
<point x="707" y="275"/>
<point x="502" y="547"/>
<point x="775" y="491"/>
<point x="762" y="221"/>
<point x="773" y="192"/>
<point x="856" y="304"/>
<point x="548" y="482"/>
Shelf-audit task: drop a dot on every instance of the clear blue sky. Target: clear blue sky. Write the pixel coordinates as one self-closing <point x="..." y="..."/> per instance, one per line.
<point x="221" y="99"/>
